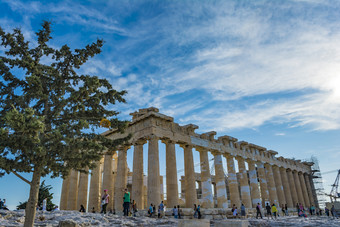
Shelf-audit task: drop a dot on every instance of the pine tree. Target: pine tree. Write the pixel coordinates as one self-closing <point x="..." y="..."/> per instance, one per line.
<point x="44" y="193"/>
<point x="49" y="113"/>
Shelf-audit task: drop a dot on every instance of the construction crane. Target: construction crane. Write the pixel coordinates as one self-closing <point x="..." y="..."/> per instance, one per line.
<point x="334" y="194"/>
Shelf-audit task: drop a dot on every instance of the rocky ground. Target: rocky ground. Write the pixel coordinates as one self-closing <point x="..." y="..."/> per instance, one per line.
<point x="16" y="218"/>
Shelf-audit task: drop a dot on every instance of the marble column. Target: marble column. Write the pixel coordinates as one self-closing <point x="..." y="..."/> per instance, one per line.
<point x="82" y="189"/>
<point x="295" y="198"/>
<point x="263" y="183"/>
<point x="254" y="187"/>
<point x="190" y="181"/>
<point x="108" y="178"/>
<point x="64" y="193"/>
<point x="304" y="190"/>
<point x="95" y="187"/>
<point x="207" y="197"/>
<point x="137" y="175"/>
<point x="154" y="187"/>
<point x="315" y="197"/>
<point x="171" y="174"/>
<point x="73" y="191"/>
<point x="244" y="185"/>
<point x="222" y="201"/>
<point x="309" y="190"/>
<point x="286" y="188"/>
<point x="271" y="185"/>
<point x="279" y="187"/>
<point x="298" y="188"/>
<point x="121" y="178"/>
<point x="232" y="181"/>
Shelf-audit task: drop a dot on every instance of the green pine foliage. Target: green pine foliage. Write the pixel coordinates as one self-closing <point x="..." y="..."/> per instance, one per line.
<point x="48" y="112"/>
<point x="44" y="192"/>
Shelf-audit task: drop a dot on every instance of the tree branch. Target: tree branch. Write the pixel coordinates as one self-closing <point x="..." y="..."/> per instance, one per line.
<point x="21" y="177"/>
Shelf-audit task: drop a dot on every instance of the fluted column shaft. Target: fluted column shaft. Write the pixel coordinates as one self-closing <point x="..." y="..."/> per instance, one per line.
<point x="222" y="201"/>
<point x="286" y="188"/>
<point x="121" y="178"/>
<point x="73" y="191"/>
<point x="207" y="197"/>
<point x="309" y="190"/>
<point x="137" y="175"/>
<point x="304" y="190"/>
<point x="244" y="185"/>
<point x="315" y="197"/>
<point x="108" y="178"/>
<point x="82" y="189"/>
<point x="271" y="185"/>
<point x="298" y="188"/>
<point x="263" y="183"/>
<point x="295" y="198"/>
<point x="95" y="188"/>
<point x="279" y="187"/>
<point x="64" y="193"/>
<point x="254" y="188"/>
<point x="232" y="181"/>
<point x="190" y="181"/>
<point x="154" y="187"/>
<point x="171" y="174"/>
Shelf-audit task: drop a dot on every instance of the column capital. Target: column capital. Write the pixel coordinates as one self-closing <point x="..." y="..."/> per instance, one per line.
<point x="184" y="145"/>
<point x="240" y="158"/>
<point x="151" y="137"/>
<point x="123" y="148"/>
<point x="111" y="152"/>
<point x="214" y="153"/>
<point x="167" y="141"/>
<point x="227" y="155"/>
<point x="202" y="149"/>
<point x="140" y="141"/>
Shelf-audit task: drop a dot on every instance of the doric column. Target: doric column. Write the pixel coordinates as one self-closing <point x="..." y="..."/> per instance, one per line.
<point x="137" y="175"/>
<point x="254" y="187"/>
<point x="309" y="189"/>
<point x="263" y="183"/>
<point x="244" y="185"/>
<point x="121" y="178"/>
<point x="207" y="197"/>
<point x="171" y="174"/>
<point x="95" y="187"/>
<point x="298" y="188"/>
<point x="286" y="188"/>
<point x="108" y="178"/>
<point x="73" y="191"/>
<point x="222" y="201"/>
<point x="279" y="187"/>
<point x="154" y="187"/>
<point x="304" y="190"/>
<point x="64" y="193"/>
<point x="82" y="189"/>
<point x="295" y="198"/>
<point x="271" y="184"/>
<point x="190" y="184"/>
<point x="315" y="197"/>
<point x="232" y="181"/>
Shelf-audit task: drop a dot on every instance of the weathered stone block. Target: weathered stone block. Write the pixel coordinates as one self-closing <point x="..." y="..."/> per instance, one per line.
<point x="232" y="223"/>
<point x="194" y="223"/>
<point x="68" y="223"/>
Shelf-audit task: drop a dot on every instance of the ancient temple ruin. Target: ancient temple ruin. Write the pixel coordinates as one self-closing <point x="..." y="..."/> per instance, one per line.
<point x="267" y="179"/>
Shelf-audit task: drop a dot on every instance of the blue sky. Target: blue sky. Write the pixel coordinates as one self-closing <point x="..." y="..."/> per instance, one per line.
<point x="266" y="72"/>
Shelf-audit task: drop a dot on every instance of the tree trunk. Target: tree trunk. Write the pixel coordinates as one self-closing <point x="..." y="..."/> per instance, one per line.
<point x="33" y="199"/>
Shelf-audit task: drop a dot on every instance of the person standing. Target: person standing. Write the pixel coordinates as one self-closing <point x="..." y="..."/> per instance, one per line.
<point x="179" y="212"/>
<point x="274" y="210"/>
<point x="235" y="212"/>
<point x="161" y="208"/>
<point x="269" y="212"/>
<point x="286" y="209"/>
<point x="1" y="204"/>
<point x="243" y="211"/>
<point x="150" y="211"/>
<point x="195" y="211"/>
<point x="105" y="201"/>
<point x="126" y="204"/>
<point x="258" y="210"/>
<point x="199" y="211"/>
<point x="175" y="212"/>
<point x="134" y="208"/>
